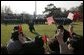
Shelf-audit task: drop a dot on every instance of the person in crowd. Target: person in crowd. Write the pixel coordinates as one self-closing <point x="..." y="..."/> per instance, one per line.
<point x="71" y="47"/>
<point x="64" y="32"/>
<point x="71" y="32"/>
<point x="34" y="46"/>
<point x="54" y="45"/>
<point x="63" y="47"/>
<point x="58" y="46"/>
<point x="18" y="44"/>
<point x="15" y="44"/>
<point x="75" y="38"/>
<point x="31" y="26"/>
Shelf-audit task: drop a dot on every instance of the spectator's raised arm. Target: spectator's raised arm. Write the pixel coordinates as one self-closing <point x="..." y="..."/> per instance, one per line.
<point x="63" y="47"/>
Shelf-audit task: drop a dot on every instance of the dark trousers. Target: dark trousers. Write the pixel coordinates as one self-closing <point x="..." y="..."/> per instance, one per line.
<point x="31" y="29"/>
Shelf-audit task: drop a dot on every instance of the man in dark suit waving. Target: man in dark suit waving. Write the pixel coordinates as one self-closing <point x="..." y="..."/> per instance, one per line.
<point x="31" y="26"/>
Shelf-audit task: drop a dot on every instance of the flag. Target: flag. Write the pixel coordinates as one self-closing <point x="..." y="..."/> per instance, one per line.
<point x="50" y="20"/>
<point x="20" y="28"/>
<point x="76" y="15"/>
<point x="70" y="16"/>
<point x="44" y="38"/>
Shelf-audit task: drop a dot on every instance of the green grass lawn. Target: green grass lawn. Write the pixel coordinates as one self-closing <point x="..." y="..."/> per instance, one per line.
<point x="41" y="29"/>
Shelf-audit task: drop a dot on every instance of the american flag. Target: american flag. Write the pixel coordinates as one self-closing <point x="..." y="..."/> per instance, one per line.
<point x="20" y="28"/>
<point x="70" y="16"/>
<point x="50" y="20"/>
<point x="44" y="38"/>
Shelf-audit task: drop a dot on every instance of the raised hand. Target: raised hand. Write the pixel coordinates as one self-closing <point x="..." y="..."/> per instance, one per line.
<point x="63" y="47"/>
<point x="59" y="36"/>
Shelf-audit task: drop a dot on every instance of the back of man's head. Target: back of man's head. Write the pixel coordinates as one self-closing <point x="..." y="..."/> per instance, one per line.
<point x="60" y="27"/>
<point x="39" y="41"/>
<point x="15" y="35"/>
<point x="16" y="28"/>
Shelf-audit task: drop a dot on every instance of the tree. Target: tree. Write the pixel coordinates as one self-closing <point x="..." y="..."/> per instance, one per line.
<point x="73" y="9"/>
<point x="78" y="12"/>
<point x="65" y="13"/>
<point x="80" y="8"/>
<point x="51" y="10"/>
<point x="2" y="13"/>
<point x="6" y="9"/>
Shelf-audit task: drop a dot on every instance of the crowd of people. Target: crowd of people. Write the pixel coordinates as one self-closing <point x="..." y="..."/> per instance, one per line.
<point x="63" y="42"/>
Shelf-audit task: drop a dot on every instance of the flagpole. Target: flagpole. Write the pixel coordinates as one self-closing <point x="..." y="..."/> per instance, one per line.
<point x="35" y="9"/>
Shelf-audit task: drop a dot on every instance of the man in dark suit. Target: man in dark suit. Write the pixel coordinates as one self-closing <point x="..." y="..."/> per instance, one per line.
<point x="31" y="26"/>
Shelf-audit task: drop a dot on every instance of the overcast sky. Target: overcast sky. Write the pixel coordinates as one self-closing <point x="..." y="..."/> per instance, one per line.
<point x="29" y="6"/>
